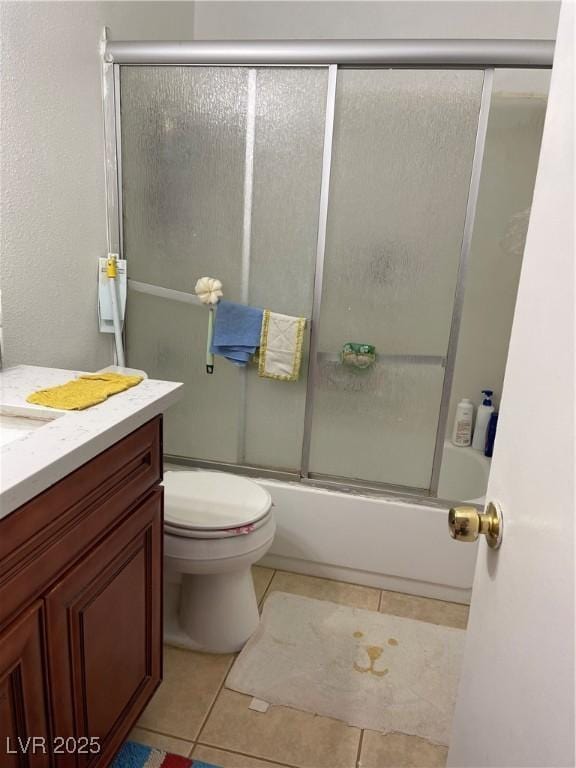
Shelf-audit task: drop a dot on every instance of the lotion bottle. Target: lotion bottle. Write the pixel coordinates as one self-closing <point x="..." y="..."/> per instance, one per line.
<point x="482" y="420"/>
<point x="462" y="432"/>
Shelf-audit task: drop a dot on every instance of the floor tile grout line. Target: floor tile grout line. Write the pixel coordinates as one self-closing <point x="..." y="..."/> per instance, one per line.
<point x="380" y="596"/>
<point x="222" y="684"/>
<point x="214" y="700"/>
<point x="359" y="754"/>
<point x="265" y="595"/>
<point x="247" y="754"/>
<point x="205" y="718"/>
<point x="163" y="733"/>
<point x="327" y="578"/>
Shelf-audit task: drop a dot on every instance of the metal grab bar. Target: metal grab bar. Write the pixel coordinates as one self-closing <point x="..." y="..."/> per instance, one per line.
<point x="167" y="293"/>
<point x="328" y="357"/>
<point x="323" y="357"/>
<point x="164" y="293"/>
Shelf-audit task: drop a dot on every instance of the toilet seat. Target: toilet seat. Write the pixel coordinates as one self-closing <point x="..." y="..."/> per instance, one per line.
<point x="224" y="533"/>
<point x="213" y="505"/>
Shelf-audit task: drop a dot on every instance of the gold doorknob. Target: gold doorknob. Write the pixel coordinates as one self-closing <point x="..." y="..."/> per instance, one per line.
<point x="466" y="524"/>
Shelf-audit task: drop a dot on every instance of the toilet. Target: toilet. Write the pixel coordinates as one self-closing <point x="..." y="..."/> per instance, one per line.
<point x="216" y="526"/>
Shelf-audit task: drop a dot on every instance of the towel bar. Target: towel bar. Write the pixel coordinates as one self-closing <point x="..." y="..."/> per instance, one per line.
<point x="327" y="357"/>
<point x="164" y="293"/>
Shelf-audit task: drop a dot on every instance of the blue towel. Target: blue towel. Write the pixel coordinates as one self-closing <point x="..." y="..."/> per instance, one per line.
<point x="237" y="330"/>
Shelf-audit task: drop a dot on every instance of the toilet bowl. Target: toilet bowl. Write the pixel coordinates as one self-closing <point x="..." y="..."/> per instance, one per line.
<point x="216" y="526"/>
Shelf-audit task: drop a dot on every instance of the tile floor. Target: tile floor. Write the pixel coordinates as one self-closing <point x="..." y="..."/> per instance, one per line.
<point x="193" y="714"/>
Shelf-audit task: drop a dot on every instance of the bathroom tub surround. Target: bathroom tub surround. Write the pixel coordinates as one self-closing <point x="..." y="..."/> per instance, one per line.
<point x="41" y="458"/>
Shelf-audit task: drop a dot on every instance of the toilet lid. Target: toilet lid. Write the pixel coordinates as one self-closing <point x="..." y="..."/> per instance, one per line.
<point x="212" y="500"/>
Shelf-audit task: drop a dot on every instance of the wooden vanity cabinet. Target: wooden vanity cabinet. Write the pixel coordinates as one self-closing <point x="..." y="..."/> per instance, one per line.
<point x="80" y="609"/>
<point x="23" y="688"/>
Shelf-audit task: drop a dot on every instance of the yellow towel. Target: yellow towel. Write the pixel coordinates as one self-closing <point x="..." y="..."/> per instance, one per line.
<point x="83" y="392"/>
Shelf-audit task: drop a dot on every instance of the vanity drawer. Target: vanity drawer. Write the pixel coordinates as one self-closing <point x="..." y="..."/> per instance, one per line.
<point x="41" y="538"/>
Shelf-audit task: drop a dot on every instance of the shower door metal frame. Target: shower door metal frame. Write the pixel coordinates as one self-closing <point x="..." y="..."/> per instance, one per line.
<point x="112" y="169"/>
<point x="248" y="195"/>
<point x="434" y="54"/>
<point x="312" y="372"/>
<point x="465" y="249"/>
<point x="485" y="55"/>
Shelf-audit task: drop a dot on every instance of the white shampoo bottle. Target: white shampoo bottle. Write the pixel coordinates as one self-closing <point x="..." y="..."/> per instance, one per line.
<point x="462" y="433"/>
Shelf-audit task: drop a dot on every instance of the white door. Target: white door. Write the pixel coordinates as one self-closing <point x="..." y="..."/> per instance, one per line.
<point x="516" y="699"/>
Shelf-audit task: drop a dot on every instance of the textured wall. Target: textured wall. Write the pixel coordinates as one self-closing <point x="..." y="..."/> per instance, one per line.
<point x="52" y="170"/>
<point x="253" y="19"/>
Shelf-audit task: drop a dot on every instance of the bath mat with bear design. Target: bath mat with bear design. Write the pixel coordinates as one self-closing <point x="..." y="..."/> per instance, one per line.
<point x="368" y="669"/>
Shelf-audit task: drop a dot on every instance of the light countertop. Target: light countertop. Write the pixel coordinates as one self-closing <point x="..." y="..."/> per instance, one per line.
<point x="38" y="459"/>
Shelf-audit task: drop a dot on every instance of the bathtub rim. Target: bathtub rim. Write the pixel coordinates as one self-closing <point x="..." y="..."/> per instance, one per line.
<point x="323" y="482"/>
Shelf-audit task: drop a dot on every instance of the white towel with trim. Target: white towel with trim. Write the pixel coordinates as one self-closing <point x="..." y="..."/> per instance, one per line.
<point x="281" y="343"/>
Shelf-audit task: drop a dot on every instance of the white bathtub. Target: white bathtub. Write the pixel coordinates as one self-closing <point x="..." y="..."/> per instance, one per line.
<point x="378" y="542"/>
<point x="464" y="474"/>
<point x="368" y="540"/>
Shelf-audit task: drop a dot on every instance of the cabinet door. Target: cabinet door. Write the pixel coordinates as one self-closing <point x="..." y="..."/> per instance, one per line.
<point x="23" y="720"/>
<point x="105" y="637"/>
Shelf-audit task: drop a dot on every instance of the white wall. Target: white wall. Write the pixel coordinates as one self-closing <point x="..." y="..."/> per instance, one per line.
<point x="52" y="170"/>
<point x="256" y="19"/>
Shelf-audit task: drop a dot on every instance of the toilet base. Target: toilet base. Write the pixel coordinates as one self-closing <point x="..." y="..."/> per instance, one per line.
<point x="214" y="613"/>
<point x="177" y="638"/>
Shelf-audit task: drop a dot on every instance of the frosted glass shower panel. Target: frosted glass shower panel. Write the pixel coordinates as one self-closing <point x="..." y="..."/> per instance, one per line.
<point x="376" y="425"/>
<point x="183" y="158"/>
<point x="183" y="145"/>
<point x="168" y="340"/>
<point x="288" y="144"/>
<point x="401" y="165"/>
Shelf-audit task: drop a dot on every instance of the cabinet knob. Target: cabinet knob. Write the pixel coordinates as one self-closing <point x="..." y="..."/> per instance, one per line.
<point x="466" y="524"/>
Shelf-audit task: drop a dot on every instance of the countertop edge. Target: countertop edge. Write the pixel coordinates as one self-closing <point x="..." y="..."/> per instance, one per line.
<point x="32" y="485"/>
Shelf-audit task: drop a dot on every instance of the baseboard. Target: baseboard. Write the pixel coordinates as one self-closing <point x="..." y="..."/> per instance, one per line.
<point x="368" y="579"/>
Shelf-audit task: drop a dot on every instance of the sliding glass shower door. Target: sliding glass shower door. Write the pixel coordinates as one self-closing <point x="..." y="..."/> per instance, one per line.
<point x="183" y="147"/>
<point x="221" y="170"/>
<point x="401" y="163"/>
<point x="222" y="174"/>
